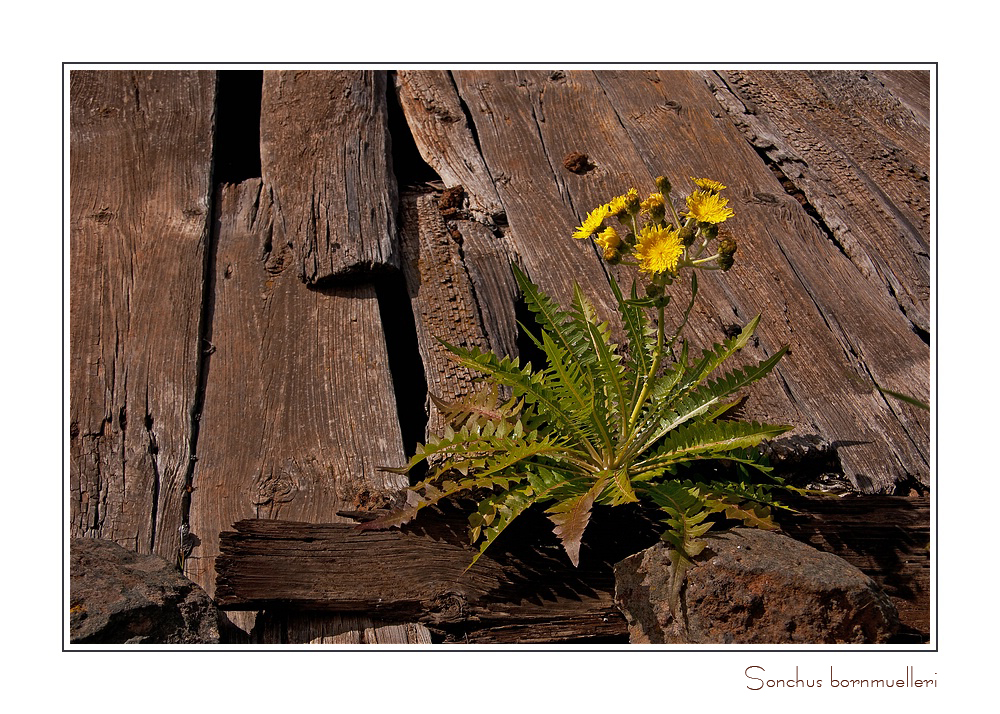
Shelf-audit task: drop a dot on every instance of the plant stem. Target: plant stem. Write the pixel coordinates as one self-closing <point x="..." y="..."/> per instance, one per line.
<point x="648" y="383"/>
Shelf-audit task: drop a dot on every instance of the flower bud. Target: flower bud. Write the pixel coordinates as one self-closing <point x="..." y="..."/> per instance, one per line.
<point x="709" y="230"/>
<point x="725" y="262"/>
<point x="727" y="246"/>
<point x="687" y="236"/>
<point x="663" y="185"/>
<point x="632" y="202"/>
<point x="654" y="290"/>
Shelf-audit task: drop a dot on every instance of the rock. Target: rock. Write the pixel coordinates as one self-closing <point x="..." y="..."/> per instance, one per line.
<point x="121" y="597"/>
<point x="754" y="587"/>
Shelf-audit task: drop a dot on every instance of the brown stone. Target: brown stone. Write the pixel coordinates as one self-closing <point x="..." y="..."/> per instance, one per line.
<point x="118" y="596"/>
<point x="753" y="587"/>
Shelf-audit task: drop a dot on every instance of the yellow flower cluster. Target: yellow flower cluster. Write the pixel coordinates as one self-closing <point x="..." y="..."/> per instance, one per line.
<point x="660" y="248"/>
<point x="609" y="240"/>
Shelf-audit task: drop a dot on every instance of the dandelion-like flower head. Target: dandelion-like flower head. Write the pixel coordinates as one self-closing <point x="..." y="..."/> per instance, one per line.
<point x="609" y="240"/>
<point x="708" y="207"/>
<point x="658" y="250"/>
<point x="593" y="221"/>
<point x="707" y="184"/>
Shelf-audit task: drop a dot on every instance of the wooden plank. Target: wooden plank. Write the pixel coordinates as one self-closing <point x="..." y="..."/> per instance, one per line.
<point x="842" y="333"/>
<point x="325" y="160"/>
<point x="299" y="404"/>
<point x="418" y="573"/>
<point x="859" y="156"/>
<point x="140" y="162"/>
<point x="529" y="182"/>
<point x="523" y="589"/>
<point x="438" y="123"/>
<point x="442" y="299"/>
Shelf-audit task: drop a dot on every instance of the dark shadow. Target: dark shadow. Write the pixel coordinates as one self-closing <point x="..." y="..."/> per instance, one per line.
<point x="237" y="125"/>
<point x="405" y="364"/>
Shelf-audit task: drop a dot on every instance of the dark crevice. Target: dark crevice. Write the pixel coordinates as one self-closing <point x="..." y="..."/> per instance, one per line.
<point x="224" y="105"/>
<point x="205" y="350"/>
<point x="527" y="350"/>
<point x="468" y="115"/>
<point x="153" y="449"/>
<point x="407" y="163"/>
<point x="237" y="125"/>
<point x="795" y="192"/>
<point x="405" y="364"/>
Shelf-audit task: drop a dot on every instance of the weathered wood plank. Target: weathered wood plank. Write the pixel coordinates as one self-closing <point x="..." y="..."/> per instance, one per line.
<point x="418" y="573"/>
<point x="140" y="162"/>
<point x="299" y="404"/>
<point x="325" y="160"/>
<point x="461" y="290"/>
<point x="528" y="180"/>
<point x="885" y="537"/>
<point x="316" y="628"/>
<point x="860" y="158"/>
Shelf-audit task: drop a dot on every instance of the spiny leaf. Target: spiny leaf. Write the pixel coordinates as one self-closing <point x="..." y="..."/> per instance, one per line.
<point x="538" y="487"/>
<point x="571" y="517"/>
<point x="708" y="440"/>
<point x="612" y="377"/>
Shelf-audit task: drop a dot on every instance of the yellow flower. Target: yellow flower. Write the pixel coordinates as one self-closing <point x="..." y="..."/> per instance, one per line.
<point x="594" y="220"/>
<point x="609" y="240"/>
<point x="708" y="207"/>
<point x="655" y="199"/>
<point x="658" y="250"/>
<point x="707" y="184"/>
<point x="620" y="203"/>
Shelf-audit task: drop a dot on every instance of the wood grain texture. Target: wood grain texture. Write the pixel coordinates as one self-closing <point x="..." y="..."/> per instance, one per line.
<point x="299" y="404"/>
<point x="528" y="180"/>
<point x="140" y="162"/>
<point x="326" y="161"/>
<point x="859" y="156"/>
<point x="461" y="291"/>
<point x="885" y="537"/>
<point x="844" y="335"/>
<point x="418" y="573"/>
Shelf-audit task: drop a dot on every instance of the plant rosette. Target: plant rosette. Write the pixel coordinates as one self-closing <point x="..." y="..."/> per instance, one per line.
<point x="602" y="425"/>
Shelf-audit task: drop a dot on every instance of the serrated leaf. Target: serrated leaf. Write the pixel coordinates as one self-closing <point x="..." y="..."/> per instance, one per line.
<point x="571" y="517"/>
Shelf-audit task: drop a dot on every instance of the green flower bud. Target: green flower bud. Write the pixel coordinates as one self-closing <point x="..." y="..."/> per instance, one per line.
<point x="654" y="290"/>
<point x="687" y="236"/>
<point x="709" y="230"/>
<point x="727" y="246"/>
<point x="632" y="202"/>
<point x="663" y="185"/>
<point x="725" y="262"/>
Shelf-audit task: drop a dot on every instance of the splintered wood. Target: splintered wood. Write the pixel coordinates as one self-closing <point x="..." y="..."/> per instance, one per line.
<point x="325" y="159"/>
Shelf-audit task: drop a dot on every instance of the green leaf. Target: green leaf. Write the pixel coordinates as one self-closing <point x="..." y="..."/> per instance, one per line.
<point x="707" y="440"/>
